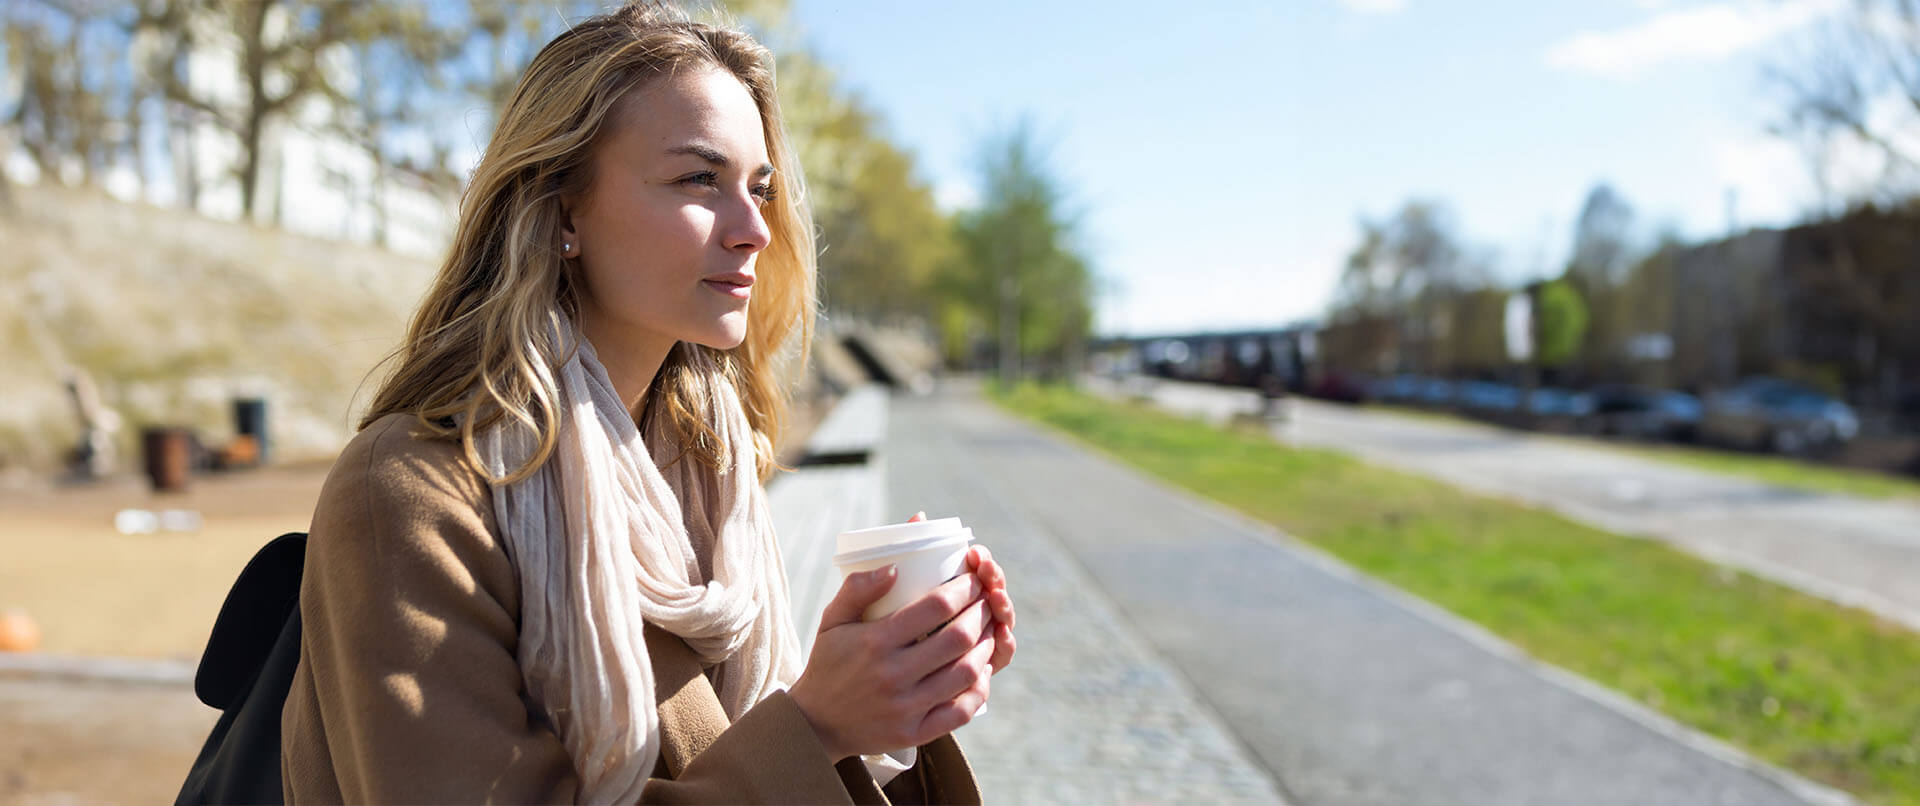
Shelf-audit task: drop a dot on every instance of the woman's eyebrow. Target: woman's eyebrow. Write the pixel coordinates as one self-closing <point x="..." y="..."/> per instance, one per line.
<point x="715" y="158"/>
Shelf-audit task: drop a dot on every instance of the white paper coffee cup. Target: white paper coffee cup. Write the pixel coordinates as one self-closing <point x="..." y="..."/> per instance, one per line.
<point x="925" y="554"/>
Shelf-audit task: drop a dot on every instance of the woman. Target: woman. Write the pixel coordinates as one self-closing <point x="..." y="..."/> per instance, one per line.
<point x="544" y="569"/>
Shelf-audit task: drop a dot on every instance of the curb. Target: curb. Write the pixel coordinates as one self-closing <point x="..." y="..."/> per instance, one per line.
<point x="96" y="669"/>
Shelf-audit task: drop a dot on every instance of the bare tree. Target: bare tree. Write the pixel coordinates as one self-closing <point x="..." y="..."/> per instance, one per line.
<point x="1410" y="268"/>
<point x="399" y="53"/>
<point x="280" y="47"/>
<point x="502" y="37"/>
<point x="1852" y="80"/>
<point x="1603" y="237"/>
<point x="1604" y="254"/>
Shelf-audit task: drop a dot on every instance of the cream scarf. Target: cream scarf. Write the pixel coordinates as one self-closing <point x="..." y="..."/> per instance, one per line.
<point x="603" y="540"/>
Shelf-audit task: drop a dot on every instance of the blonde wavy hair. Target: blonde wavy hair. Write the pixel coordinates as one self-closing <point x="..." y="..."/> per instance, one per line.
<point x="474" y="349"/>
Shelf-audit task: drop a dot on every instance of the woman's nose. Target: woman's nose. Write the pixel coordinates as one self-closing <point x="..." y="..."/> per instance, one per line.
<point x="749" y="231"/>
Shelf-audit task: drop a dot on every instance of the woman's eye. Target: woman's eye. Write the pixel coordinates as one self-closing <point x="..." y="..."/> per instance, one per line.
<point x="765" y="193"/>
<point x="707" y="178"/>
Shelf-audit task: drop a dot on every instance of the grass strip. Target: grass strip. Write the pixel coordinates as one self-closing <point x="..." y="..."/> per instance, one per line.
<point x="1782" y="471"/>
<point x="1827" y="691"/>
<point x="1777" y="470"/>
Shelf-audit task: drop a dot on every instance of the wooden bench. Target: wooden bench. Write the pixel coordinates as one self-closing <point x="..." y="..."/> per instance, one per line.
<point x="840" y="484"/>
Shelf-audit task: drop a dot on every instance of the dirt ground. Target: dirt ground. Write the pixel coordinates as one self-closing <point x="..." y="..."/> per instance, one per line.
<point x="95" y="592"/>
<point x="97" y="742"/>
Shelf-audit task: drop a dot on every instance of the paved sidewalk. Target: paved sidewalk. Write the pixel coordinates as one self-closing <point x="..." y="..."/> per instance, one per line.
<point x="1342" y="689"/>
<point x="1088" y="713"/>
<point x="1855" y="551"/>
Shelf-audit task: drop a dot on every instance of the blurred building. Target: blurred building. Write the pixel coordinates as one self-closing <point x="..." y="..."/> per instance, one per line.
<point x="1833" y="303"/>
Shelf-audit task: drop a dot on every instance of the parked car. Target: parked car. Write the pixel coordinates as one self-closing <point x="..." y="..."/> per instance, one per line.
<point x="1550" y="401"/>
<point x="1341" y="387"/>
<point x="1778" y="415"/>
<point x="1434" y="392"/>
<point x="1644" y="413"/>
<point x="1486" y="396"/>
<point x="1398" y="389"/>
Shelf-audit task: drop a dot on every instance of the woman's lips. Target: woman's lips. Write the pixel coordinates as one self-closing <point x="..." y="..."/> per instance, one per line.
<point x="731" y="288"/>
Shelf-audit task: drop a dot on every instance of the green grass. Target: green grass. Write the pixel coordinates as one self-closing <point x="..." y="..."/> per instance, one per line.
<point x="1830" y="692"/>
<point x="1778" y="470"/>
<point x="1782" y="471"/>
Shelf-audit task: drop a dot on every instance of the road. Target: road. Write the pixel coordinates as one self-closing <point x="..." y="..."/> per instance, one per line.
<point x="1856" y="551"/>
<point x="1339" y="689"/>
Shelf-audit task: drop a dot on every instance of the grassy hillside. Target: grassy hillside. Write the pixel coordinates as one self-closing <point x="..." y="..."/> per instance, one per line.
<point x="174" y="315"/>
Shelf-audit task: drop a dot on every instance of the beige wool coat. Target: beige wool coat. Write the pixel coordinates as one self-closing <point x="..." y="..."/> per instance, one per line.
<point x="408" y="690"/>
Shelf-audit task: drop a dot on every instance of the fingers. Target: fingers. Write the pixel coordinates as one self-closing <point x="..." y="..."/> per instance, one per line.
<point x="1001" y="603"/>
<point x="856" y="593"/>
<point x="967" y="673"/>
<point x="928" y="612"/>
<point x="948" y="716"/>
<point x="981" y="561"/>
<point x="949" y="642"/>
<point x="1003" y="647"/>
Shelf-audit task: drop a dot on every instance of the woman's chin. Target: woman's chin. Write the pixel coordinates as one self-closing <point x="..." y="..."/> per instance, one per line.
<point x="731" y="333"/>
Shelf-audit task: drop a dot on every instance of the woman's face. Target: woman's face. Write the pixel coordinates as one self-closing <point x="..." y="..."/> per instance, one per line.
<point x="667" y="233"/>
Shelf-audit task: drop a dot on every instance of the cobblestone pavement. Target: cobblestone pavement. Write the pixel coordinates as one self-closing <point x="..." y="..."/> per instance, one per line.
<point x="1855" y="551"/>
<point x="1340" y="689"/>
<point x="1088" y="713"/>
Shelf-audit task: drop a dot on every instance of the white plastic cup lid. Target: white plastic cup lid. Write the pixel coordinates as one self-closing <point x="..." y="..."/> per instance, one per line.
<point x="960" y="538"/>
<point x="893" y="533"/>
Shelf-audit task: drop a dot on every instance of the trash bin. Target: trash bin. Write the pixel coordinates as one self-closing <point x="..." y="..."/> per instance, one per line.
<point x="250" y="420"/>
<point x="169" y="457"/>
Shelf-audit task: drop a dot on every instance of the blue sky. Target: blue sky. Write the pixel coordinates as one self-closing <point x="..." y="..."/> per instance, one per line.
<point x="1221" y="152"/>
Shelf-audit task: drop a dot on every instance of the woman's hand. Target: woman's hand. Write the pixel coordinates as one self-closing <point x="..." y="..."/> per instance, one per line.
<point x="994" y="581"/>
<point x="870" y="687"/>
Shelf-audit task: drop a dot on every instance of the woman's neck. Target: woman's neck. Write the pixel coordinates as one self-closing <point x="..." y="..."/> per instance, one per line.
<point x="631" y="357"/>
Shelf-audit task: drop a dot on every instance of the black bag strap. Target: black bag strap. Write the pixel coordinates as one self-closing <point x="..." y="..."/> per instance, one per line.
<point x="246" y="672"/>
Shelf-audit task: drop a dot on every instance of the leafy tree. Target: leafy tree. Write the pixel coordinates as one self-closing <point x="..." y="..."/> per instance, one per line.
<point x="1559" y="321"/>
<point x="1016" y="272"/>
<point x="881" y="233"/>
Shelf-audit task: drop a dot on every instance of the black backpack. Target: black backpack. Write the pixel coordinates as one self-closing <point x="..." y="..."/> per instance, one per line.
<point x="245" y="672"/>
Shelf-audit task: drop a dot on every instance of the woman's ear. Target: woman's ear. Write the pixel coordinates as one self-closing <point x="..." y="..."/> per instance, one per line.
<point x="569" y="239"/>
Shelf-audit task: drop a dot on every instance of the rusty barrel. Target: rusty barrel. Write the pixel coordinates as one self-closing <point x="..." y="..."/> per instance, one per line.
<point x="169" y="459"/>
